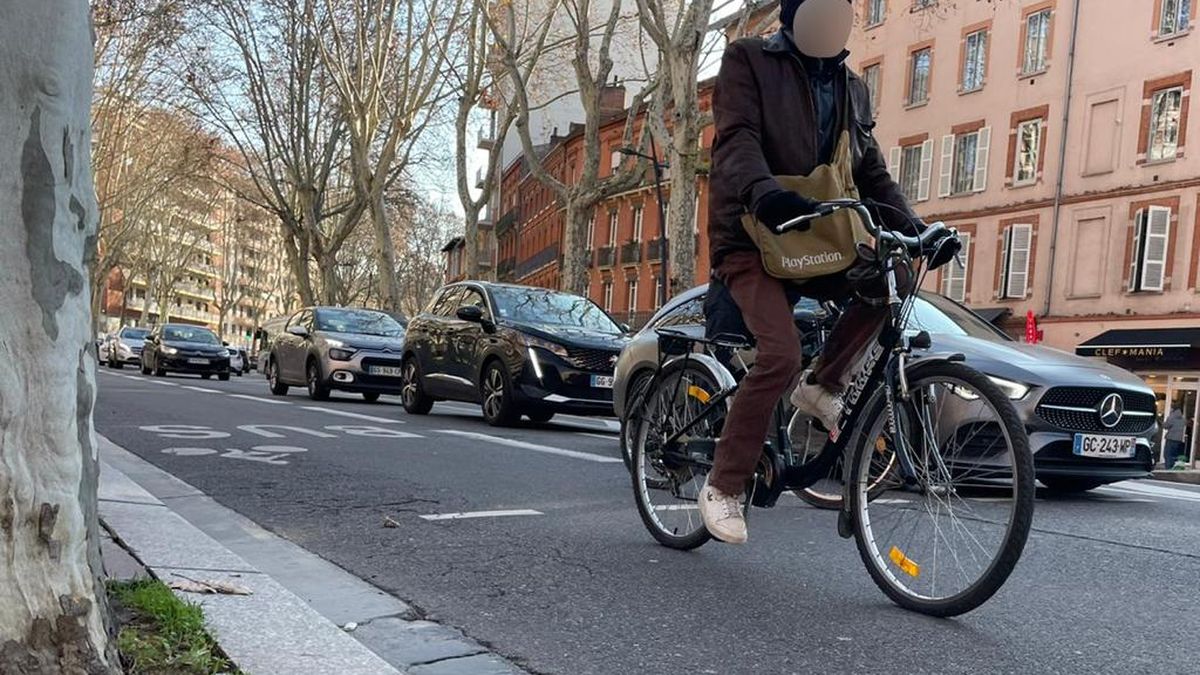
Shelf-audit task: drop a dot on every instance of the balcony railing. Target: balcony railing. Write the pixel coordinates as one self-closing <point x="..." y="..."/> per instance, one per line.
<point x="631" y="253"/>
<point x="506" y="221"/>
<point x="505" y="269"/>
<point x="606" y="257"/>
<point x="486" y="142"/>
<point x="654" y="249"/>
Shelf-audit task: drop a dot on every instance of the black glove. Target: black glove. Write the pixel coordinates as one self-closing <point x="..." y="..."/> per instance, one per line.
<point x="942" y="250"/>
<point x="776" y="208"/>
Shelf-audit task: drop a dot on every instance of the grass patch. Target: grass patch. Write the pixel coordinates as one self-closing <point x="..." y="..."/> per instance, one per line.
<point x="162" y="634"/>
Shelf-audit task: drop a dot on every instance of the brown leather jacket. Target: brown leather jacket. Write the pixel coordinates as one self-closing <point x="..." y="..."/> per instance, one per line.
<point x="765" y="126"/>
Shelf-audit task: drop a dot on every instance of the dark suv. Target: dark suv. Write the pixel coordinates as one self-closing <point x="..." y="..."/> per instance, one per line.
<point x="184" y="348"/>
<point x="516" y="350"/>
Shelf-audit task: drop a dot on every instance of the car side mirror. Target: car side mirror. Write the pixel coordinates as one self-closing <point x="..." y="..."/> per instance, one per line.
<point x="625" y="328"/>
<point x="224" y="343"/>
<point x="470" y="313"/>
<point x="298" y="331"/>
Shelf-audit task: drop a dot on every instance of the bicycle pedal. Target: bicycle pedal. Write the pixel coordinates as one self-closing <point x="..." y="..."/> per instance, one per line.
<point x="845" y="526"/>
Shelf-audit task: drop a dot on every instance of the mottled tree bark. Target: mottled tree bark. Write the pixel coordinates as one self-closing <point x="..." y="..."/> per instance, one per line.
<point x="53" y="617"/>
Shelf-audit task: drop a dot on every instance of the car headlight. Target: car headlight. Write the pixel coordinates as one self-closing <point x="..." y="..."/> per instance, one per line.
<point x="339" y="354"/>
<point x="552" y="347"/>
<point x="1015" y="391"/>
<point x="330" y="342"/>
<point x="123" y="348"/>
<point x="170" y="351"/>
<point x="226" y="353"/>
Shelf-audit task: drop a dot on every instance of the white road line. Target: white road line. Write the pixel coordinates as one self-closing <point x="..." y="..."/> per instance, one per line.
<point x="1153" y="491"/>
<point x="248" y="397"/>
<point x="533" y="446"/>
<point x="607" y="437"/>
<point x="614" y="425"/>
<point x="357" y="416"/>
<point x="207" y="391"/>
<point x="677" y="507"/>
<point x="163" y="383"/>
<point x="481" y="514"/>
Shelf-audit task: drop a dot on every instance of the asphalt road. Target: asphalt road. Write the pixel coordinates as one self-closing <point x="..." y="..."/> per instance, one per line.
<point x="573" y="584"/>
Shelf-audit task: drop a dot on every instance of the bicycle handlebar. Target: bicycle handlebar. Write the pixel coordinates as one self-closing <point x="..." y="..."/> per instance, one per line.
<point x="915" y="244"/>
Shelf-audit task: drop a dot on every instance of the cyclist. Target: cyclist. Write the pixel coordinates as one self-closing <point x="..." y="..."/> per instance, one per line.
<point x="777" y="110"/>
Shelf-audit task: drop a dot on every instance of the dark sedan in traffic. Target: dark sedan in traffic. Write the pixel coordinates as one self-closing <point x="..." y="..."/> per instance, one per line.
<point x="183" y="348"/>
<point x="515" y="350"/>
<point x="1089" y="423"/>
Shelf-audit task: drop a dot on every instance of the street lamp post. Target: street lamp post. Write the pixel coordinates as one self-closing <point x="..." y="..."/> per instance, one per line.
<point x="664" y="279"/>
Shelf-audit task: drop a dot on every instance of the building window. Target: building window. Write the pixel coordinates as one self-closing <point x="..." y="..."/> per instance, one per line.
<point x="956" y="272"/>
<point x="1017" y="250"/>
<point x="923" y="4"/>
<point x="591" y="231"/>
<point x="1166" y="106"/>
<point x="631" y="294"/>
<point x="1176" y="14"/>
<point x="870" y="77"/>
<point x="1029" y="148"/>
<point x="606" y="295"/>
<point x="615" y="160"/>
<point x="1148" y="264"/>
<point x="920" y="64"/>
<point x="911" y="166"/>
<point x="612" y="228"/>
<point x="1037" y="42"/>
<point x="974" y="61"/>
<point x="638" y="212"/>
<point x="876" y="12"/>
<point x="658" y="294"/>
<point x="965" y="162"/>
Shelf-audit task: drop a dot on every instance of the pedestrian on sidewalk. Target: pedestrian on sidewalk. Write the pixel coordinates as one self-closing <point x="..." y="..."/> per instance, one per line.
<point x="1173" y="433"/>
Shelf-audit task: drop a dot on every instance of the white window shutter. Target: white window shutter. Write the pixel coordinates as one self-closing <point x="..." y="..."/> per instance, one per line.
<point x="1018" y="265"/>
<point x="982" y="152"/>
<point x="1002" y="292"/>
<point x="1139" y="225"/>
<point x="926" y="171"/>
<point x="894" y="163"/>
<point x="947" y="175"/>
<point x="1154" y="260"/>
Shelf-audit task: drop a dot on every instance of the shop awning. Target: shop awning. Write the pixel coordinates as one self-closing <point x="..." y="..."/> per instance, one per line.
<point x="1147" y="348"/>
<point x="993" y="315"/>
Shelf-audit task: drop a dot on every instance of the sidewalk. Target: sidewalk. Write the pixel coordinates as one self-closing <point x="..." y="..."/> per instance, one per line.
<point x="290" y="622"/>
<point x="1191" y="476"/>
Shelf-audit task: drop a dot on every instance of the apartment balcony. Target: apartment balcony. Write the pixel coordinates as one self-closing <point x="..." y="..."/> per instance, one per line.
<point x="507" y="221"/>
<point x="655" y="249"/>
<point x="201" y="268"/>
<point x="195" y="291"/>
<point x="631" y="253"/>
<point x="606" y="257"/>
<point x="505" y="269"/>
<point x="485" y="139"/>
<point x="479" y="178"/>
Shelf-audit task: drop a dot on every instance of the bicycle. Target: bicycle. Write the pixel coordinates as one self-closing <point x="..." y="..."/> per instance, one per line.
<point x="913" y="489"/>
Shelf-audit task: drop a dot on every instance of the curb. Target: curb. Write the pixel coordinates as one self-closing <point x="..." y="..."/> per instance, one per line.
<point x="1190" y="477"/>
<point x="290" y="622"/>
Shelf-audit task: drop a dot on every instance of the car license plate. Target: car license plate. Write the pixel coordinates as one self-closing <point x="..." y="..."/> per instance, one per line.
<point x="384" y="371"/>
<point x="1116" y="447"/>
<point x="602" y="381"/>
<point x="198" y="362"/>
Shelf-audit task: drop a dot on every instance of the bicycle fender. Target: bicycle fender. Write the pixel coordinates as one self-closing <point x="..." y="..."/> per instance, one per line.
<point x="926" y="357"/>
<point x="719" y="373"/>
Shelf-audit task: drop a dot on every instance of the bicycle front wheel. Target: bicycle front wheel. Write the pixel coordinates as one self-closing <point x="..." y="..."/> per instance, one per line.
<point x="943" y="536"/>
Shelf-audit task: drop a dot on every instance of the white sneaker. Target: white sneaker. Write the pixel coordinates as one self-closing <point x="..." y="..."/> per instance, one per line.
<point x="722" y="515"/>
<point x="817" y="402"/>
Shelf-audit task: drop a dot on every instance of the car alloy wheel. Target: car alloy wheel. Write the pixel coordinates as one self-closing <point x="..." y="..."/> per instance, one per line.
<point x="317" y="390"/>
<point x="415" y="401"/>
<point x="495" y="398"/>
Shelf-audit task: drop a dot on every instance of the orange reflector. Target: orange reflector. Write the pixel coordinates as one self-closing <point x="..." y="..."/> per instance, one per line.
<point x="902" y="561"/>
<point x="698" y="393"/>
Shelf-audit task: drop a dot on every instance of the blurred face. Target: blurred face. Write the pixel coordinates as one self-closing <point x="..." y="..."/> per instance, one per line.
<point x="821" y="28"/>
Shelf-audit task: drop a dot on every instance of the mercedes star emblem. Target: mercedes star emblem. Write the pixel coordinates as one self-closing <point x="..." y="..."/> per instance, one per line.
<point x="1111" y="409"/>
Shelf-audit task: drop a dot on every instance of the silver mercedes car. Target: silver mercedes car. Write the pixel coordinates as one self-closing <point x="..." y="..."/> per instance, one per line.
<point x="1089" y="423"/>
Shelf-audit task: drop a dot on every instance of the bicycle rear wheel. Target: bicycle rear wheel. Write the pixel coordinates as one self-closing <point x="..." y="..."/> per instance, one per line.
<point x="944" y="539"/>
<point x="667" y="479"/>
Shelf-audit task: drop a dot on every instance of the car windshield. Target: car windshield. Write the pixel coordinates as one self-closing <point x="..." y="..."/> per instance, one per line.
<point x="190" y="334"/>
<point x="938" y="314"/>
<point x="358" y="322"/>
<point x="135" y="333"/>
<point x="533" y="305"/>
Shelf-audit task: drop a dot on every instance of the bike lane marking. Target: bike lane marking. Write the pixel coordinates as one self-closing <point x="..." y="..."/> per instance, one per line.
<point x="248" y="397"/>
<point x="549" y="450"/>
<point x="353" y="415"/>
<point x="481" y="514"/>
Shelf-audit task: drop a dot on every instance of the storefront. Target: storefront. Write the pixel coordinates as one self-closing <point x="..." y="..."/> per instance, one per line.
<point x="1169" y="360"/>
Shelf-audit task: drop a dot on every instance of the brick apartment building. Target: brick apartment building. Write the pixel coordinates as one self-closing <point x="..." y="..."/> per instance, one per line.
<point x="1052" y="133"/>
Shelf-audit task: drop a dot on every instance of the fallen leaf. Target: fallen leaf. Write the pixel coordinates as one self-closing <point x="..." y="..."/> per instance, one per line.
<point x="389" y="521"/>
